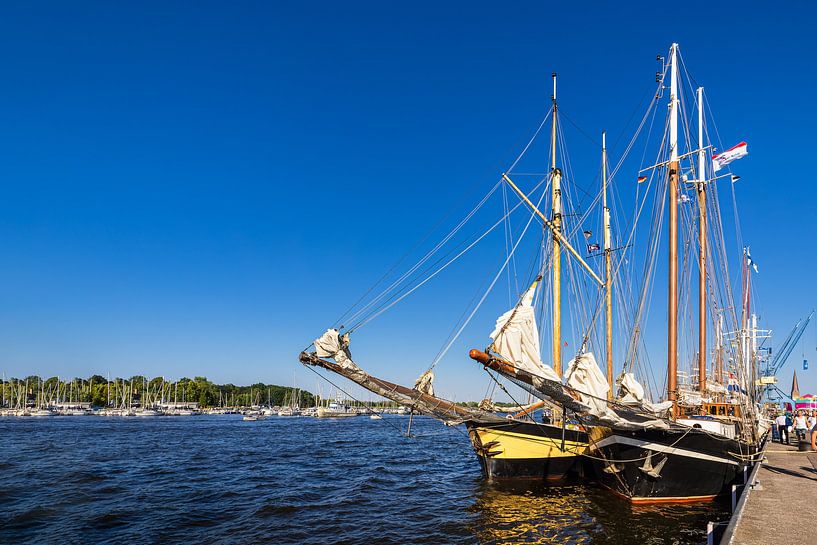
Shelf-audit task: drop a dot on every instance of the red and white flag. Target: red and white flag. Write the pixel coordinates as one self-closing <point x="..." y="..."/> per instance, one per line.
<point x="726" y="157"/>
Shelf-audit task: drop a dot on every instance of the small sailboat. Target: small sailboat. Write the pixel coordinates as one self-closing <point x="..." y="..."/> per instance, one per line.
<point x="253" y="416"/>
<point x="291" y="406"/>
<point x="336" y="409"/>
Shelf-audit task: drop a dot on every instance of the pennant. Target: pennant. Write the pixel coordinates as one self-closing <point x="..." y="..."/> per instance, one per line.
<point x="642" y="179"/>
<point x="588" y="234"/>
<point x="735" y="178"/>
<point x="751" y="262"/>
<point x="732" y="154"/>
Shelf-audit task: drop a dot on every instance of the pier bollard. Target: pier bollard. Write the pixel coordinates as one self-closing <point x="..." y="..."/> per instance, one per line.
<point x="714" y="532"/>
<point x="734" y="497"/>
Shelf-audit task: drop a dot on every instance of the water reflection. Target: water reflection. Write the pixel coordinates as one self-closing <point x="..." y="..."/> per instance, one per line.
<point x="583" y="515"/>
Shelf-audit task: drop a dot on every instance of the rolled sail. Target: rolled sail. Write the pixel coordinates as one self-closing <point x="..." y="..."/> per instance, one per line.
<point x="516" y="338"/>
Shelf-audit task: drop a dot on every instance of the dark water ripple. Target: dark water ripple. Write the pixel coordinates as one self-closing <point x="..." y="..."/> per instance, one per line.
<point x="217" y="479"/>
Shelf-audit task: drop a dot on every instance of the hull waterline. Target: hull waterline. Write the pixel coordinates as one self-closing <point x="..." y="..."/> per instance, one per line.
<point x="667" y="466"/>
<point x="527" y="450"/>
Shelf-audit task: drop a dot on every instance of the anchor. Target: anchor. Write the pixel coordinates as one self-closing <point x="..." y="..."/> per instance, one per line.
<point x="649" y="469"/>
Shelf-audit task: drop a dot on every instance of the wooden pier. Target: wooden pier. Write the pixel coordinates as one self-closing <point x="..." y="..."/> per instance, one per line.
<point x="779" y="506"/>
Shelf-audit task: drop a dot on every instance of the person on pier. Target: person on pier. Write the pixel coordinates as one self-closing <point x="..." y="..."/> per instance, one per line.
<point x="782" y="428"/>
<point x="800" y="426"/>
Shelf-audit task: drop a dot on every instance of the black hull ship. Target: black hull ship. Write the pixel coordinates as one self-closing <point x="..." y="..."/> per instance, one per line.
<point x="667" y="466"/>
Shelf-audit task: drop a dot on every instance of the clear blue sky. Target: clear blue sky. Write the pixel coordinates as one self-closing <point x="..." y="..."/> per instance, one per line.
<point x="197" y="188"/>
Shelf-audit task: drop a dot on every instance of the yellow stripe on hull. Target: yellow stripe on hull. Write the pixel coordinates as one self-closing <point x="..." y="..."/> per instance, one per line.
<point x="510" y="445"/>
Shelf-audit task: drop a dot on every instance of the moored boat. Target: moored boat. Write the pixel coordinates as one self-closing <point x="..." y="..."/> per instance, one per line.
<point x="525" y="449"/>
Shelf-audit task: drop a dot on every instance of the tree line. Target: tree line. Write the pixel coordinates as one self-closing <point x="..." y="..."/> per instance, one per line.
<point x="101" y="392"/>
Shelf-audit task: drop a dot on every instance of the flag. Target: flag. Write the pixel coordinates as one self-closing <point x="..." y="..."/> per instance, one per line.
<point x="735" y="178"/>
<point x="751" y="262"/>
<point x="726" y="157"/>
<point x="593" y="248"/>
<point x="588" y="234"/>
<point x="642" y="179"/>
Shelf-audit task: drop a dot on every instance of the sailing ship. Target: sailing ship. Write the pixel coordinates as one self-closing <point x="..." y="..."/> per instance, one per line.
<point x="707" y="439"/>
<point x="685" y="448"/>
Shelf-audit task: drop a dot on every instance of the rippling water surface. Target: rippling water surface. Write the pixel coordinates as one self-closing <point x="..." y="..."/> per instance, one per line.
<point x="217" y="479"/>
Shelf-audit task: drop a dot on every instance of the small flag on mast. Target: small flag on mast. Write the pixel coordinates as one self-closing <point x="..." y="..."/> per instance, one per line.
<point x="735" y="178"/>
<point x="642" y="179"/>
<point x="588" y="234"/>
<point x="751" y="262"/>
<point x="732" y="154"/>
<point x="593" y="247"/>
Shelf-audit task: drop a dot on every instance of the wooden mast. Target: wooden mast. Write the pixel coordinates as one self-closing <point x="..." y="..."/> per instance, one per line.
<point x="719" y="350"/>
<point x="608" y="268"/>
<point x="556" y="198"/>
<point x="672" y="295"/>
<point x="701" y="248"/>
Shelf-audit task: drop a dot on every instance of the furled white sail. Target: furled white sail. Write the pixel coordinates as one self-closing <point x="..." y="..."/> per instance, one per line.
<point x="585" y="377"/>
<point x="424" y="384"/>
<point x="333" y="345"/>
<point x="516" y="338"/>
<point x="631" y="390"/>
<point x="632" y="393"/>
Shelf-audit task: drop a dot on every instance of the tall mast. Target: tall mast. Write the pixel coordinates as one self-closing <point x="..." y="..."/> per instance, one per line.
<point x="556" y="198"/>
<point x="745" y="312"/>
<point x="608" y="268"/>
<point x="672" y="295"/>
<point x="719" y="350"/>
<point x="701" y="247"/>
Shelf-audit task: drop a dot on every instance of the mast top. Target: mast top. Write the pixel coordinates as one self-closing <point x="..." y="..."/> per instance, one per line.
<point x="673" y="98"/>
<point x="553" y="96"/>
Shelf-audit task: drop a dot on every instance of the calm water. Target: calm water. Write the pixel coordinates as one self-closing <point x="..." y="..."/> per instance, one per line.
<point x="217" y="479"/>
